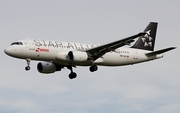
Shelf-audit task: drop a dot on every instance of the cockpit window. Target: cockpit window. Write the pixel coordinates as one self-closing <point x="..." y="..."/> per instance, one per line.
<point x="17" y="43"/>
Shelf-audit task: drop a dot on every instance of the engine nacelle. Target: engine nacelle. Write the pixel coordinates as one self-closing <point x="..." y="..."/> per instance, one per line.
<point x="77" y="56"/>
<point x="62" y="56"/>
<point x="46" y="67"/>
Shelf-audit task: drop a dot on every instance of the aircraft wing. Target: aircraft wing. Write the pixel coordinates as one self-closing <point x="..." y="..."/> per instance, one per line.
<point x="97" y="52"/>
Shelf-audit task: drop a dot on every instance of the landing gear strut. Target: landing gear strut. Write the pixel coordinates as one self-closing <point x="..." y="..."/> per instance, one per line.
<point x="72" y="75"/>
<point x="28" y="63"/>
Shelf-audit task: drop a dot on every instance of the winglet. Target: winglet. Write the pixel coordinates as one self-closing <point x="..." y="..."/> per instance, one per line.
<point x="160" y="51"/>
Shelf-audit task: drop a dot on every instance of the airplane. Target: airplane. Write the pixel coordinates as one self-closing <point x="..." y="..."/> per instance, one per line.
<point x="56" y="55"/>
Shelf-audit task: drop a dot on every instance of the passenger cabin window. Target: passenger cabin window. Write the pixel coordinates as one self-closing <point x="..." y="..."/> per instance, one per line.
<point x="17" y="43"/>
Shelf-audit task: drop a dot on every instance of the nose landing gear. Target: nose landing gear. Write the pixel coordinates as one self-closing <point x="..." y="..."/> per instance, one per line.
<point x="28" y="63"/>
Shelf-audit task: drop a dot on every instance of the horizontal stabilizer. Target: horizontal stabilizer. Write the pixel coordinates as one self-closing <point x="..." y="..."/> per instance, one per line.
<point x="160" y="51"/>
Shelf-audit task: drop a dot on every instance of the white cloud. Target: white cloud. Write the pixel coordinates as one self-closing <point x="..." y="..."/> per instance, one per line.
<point x="21" y="105"/>
<point x="169" y="108"/>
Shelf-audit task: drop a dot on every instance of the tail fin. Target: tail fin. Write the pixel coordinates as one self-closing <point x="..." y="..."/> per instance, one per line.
<point x="147" y="41"/>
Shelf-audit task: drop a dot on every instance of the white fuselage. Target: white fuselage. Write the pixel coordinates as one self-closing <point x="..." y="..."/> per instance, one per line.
<point x="45" y="50"/>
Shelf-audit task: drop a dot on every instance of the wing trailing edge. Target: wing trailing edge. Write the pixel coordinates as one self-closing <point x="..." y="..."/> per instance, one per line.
<point x="97" y="52"/>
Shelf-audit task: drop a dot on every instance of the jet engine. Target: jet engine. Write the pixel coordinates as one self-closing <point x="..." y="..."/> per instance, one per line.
<point x="62" y="56"/>
<point x="47" y="67"/>
<point x="77" y="56"/>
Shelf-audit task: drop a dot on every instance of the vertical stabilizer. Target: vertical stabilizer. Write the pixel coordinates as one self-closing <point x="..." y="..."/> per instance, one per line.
<point x="147" y="41"/>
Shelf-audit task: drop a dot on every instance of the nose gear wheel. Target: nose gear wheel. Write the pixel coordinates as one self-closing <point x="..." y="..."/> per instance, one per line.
<point x="27" y="68"/>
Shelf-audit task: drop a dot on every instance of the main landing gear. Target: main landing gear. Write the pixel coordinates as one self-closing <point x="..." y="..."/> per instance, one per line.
<point x="93" y="68"/>
<point x="27" y="68"/>
<point x="72" y="75"/>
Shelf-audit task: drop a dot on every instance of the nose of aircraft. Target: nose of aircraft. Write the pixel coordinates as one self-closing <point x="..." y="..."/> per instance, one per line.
<point x="7" y="50"/>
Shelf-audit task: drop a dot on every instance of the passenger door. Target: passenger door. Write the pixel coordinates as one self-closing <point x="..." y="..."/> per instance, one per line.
<point x="31" y="45"/>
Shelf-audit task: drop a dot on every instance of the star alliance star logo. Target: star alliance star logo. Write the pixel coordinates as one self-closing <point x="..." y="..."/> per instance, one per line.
<point x="147" y="39"/>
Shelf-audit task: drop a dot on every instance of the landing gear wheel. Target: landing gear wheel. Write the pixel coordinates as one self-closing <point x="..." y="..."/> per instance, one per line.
<point x="72" y="75"/>
<point x="93" y="68"/>
<point x="27" y="68"/>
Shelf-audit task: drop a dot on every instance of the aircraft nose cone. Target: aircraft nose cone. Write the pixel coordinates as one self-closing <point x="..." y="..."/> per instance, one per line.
<point x="7" y="51"/>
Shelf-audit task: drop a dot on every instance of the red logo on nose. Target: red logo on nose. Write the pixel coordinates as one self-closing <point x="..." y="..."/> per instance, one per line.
<point x="41" y="50"/>
<point x="38" y="49"/>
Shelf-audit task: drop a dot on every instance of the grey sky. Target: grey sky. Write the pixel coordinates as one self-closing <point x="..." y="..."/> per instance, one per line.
<point x="147" y="87"/>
